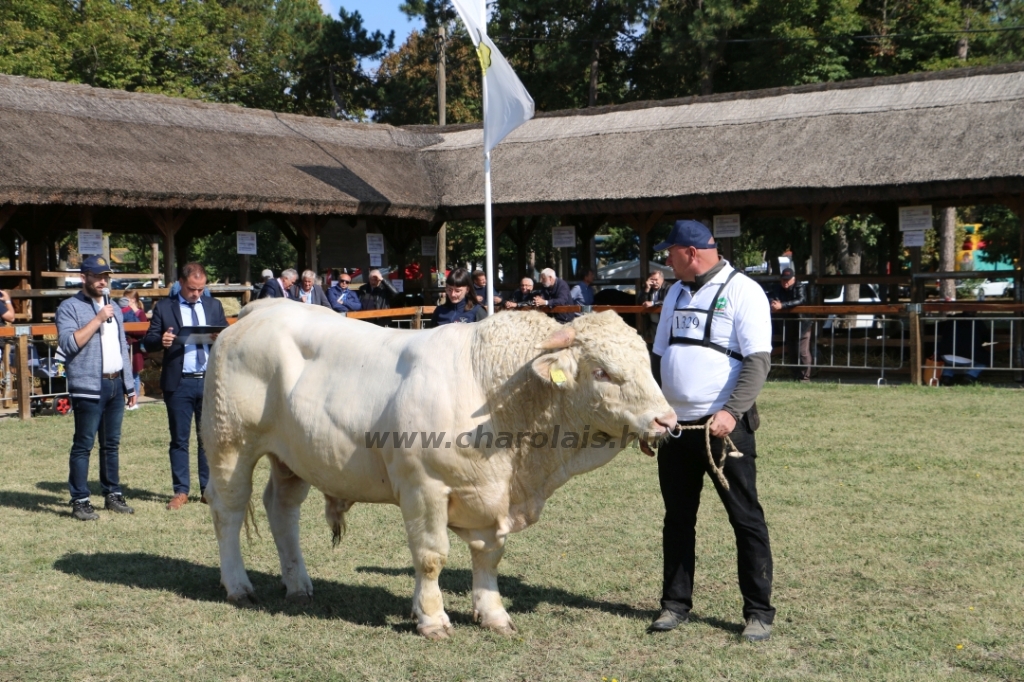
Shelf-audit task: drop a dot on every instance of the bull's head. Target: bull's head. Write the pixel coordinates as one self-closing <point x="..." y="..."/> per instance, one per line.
<point x="604" y="367"/>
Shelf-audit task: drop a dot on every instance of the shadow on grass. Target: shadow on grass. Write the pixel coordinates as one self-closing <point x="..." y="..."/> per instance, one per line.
<point x="94" y="489"/>
<point x="332" y="600"/>
<point x="358" y="604"/>
<point x="519" y="596"/>
<point x="35" y="502"/>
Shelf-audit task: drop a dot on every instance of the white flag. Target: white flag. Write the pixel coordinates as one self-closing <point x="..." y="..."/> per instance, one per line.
<point x="508" y="104"/>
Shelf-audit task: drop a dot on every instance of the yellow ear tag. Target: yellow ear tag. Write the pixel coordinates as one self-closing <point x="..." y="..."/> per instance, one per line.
<point x="558" y="376"/>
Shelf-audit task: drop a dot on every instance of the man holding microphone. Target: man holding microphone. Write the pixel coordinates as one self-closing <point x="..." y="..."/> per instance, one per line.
<point x="183" y="373"/>
<point x="90" y="333"/>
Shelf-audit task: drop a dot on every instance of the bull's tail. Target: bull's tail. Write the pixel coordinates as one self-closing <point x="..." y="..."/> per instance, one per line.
<point x="334" y="510"/>
<point x="250" y="522"/>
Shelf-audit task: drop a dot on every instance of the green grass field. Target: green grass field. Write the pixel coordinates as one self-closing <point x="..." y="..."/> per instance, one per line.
<point x="897" y="519"/>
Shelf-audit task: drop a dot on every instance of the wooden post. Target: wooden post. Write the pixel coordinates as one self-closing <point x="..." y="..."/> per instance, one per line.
<point x="816" y="216"/>
<point x="24" y="379"/>
<point x="244" y="266"/>
<point x="417" y="319"/>
<point x="169" y="222"/>
<point x="914" y="320"/>
<point x="642" y="225"/>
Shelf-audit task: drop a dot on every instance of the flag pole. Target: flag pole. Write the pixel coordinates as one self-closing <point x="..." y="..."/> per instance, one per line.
<point x="488" y="238"/>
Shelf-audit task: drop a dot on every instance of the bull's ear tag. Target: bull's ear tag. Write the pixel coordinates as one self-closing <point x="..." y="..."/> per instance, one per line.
<point x="558" y="376"/>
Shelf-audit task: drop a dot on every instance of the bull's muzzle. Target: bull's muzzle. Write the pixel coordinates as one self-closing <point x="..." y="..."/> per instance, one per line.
<point x="657" y="431"/>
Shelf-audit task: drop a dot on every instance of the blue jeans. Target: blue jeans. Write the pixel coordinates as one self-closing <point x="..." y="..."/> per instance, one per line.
<point x="93" y="416"/>
<point x="183" y="404"/>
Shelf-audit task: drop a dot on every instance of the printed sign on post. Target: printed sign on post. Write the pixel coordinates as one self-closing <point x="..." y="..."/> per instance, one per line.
<point x="90" y="242"/>
<point x="727" y="226"/>
<point x="563" y="237"/>
<point x="245" y="243"/>
<point x="398" y="284"/>
<point x="913" y="238"/>
<point x="428" y="246"/>
<point x="374" y="243"/>
<point x="915" y="218"/>
<point x="375" y="260"/>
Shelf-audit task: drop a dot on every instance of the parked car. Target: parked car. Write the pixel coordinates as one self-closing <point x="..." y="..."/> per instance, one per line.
<point x="994" y="287"/>
<point x="868" y="295"/>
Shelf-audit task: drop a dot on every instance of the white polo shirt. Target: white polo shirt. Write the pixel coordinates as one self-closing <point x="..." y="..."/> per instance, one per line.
<point x="698" y="381"/>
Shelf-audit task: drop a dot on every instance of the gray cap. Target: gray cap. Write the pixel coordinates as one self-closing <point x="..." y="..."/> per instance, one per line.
<point x="123" y="302"/>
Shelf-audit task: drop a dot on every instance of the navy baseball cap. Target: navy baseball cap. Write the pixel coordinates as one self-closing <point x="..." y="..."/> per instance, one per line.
<point x="96" y="265"/>
<point x="787" y="273"/>
<point x="688" y="233"/>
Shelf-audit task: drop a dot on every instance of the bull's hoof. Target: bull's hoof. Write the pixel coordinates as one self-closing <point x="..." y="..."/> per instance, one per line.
<point x="436" y="632"/>
<point x="507" y="628"/>
<point x="244" y="600"/>
<point x="302" y="598"/>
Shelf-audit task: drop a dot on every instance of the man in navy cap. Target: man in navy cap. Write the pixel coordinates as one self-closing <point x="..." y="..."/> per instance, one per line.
<point x="787" y="294"/>
<point x="712" y="353"/>
<point x="90" y="333"/>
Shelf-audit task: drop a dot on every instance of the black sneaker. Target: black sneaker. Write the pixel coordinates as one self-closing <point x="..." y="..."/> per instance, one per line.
<point x="116" y="503"/>
<point x="83" y="511"/>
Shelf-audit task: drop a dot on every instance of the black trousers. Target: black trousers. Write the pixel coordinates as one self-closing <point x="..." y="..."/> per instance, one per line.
<point x="682" y="463"/>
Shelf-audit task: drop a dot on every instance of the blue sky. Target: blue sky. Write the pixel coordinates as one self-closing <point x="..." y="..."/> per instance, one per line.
<point x="378" y="15"/>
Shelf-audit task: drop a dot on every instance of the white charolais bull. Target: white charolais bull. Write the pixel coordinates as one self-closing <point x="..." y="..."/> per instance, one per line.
<point x="326" y="398"/>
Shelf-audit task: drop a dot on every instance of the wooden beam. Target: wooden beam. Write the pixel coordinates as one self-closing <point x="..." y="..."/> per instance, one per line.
<point x="6" y="212"/>
<point x="24" y="380"/>
<point x="244" y="266"/>
<point x="168" y="222"/>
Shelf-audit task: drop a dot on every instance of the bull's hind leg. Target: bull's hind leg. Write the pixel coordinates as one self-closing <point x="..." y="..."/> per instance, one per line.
<point x="487" y="548"/>
<point x="425" y="510"/>
<point x="229" y="495"/>
<point x="283" y="500"/>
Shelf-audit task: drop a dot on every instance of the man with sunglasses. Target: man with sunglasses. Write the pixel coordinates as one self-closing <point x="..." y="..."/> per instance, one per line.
<point x="341" y="297"/>
<point x="90" y="333"/>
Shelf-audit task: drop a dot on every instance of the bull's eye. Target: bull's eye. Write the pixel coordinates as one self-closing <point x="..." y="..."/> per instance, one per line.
<point x="601" y="375"/>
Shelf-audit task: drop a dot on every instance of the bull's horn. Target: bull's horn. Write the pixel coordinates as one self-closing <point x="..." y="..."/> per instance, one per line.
<point x="562" y="338"/>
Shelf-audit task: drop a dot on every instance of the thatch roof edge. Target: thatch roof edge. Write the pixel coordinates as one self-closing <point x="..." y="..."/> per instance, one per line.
<point x="922" y="76"/>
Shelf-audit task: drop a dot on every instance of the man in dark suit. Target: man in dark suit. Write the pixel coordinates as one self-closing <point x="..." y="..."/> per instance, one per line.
<point x="280" y="287"/>
<point x="307" y="291"/>
<point x="184" y="368"/>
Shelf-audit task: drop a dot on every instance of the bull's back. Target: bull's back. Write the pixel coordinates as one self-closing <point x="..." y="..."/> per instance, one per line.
<point x="308" y="386"/>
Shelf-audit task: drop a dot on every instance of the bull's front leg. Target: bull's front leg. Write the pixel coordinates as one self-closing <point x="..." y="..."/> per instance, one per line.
<point x="487" y="547"/>
<point x="425" y="510"/>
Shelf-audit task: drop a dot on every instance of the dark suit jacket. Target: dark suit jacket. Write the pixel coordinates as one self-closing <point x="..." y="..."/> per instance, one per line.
<point x="166" y="314"/>
<point x="271" y="289"/>
<point x="558" y="294"/>
<point x="319" y="297"/>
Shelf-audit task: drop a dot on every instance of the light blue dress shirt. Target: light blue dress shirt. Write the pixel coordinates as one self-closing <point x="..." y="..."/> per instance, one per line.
<point x="190" y="350"/>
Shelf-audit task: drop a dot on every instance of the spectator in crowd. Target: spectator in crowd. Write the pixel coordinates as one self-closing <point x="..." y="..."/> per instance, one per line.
<point x="461" y="305"/>
<point x="553" y="292"/>
<point x="281" y="286"/>
<point x="90" y="334"/>
<point x="265" y="277"/>
<point x="183" y="374"/>
<point x="133" y="311"/>
<point x="653" y="292"/>
<point x="341" y="298"/>
<point x="650" y="295"/>
<point x="787" y="293"/>
<point x="963" y="348"/>
<point x="480" y="289"/>
<point x="6" y="309"/>
<point x="307" y="290"/>
<point x="377" y="293"/>
<point x="521" y="296"/>
<point x="583" y="292"/>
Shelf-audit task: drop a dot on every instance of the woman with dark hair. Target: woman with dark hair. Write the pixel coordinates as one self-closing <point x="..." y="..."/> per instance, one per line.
<point x="461" y="306"/>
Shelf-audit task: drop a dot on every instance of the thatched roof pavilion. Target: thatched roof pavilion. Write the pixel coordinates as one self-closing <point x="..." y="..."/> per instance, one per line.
<point x="952" y="138"/>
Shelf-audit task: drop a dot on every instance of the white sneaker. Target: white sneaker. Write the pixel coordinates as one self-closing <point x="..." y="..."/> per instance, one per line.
<point x="132" y="407"/>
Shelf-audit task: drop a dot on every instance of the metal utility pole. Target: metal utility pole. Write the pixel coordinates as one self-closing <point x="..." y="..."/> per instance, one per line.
<point x="442" y="242"/>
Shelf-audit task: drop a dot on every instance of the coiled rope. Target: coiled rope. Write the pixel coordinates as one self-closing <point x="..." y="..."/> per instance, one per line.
<point x="729" y="448"/>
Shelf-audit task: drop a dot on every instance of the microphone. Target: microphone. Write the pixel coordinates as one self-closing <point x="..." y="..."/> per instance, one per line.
<point x="106" y="301"/>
